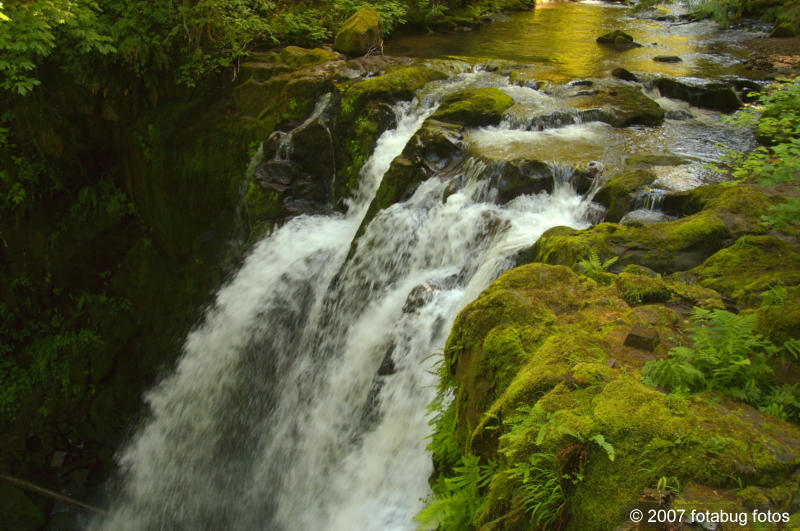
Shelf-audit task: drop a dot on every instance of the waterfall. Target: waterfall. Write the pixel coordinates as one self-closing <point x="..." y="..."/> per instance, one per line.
<point x="299" y="402"/>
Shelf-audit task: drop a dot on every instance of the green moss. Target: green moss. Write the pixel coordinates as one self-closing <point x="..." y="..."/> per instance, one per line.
<point x="397" y="85"/>
<point x="264" y="207"/>
<point x="551" y="388"/>
<point x="679" y="245"/>
<point x="359" y="33"/>
<point x="617" y="195"/>
<point x="474" y="107"/>
<point x="638" y="289"/>
<point x="750" y="266"/>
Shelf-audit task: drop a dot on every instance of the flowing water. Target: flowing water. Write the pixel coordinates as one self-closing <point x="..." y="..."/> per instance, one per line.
<point x="299" y="401"/>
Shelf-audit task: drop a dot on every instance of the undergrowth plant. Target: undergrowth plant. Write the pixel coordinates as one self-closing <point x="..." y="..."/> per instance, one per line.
<point x="592" y="267"/>
<point x="776" y="120"/>
<point x="729" y="355"/>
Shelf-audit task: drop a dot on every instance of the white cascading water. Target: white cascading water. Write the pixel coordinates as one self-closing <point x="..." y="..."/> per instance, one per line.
<point x="300" y="401"/>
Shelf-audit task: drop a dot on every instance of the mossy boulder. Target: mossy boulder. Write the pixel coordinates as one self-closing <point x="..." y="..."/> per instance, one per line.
<point x="360" y="33"/>
<point x="642" y="289"/>
<point x="474" y="107"/>
<point x="727" y="213"/>
<point x="541" y="372"/>
<point x="263" y="65"/>
<point x="752" y="265"/>
<point x="714" y="96"/>
<point x="620" y="193"/>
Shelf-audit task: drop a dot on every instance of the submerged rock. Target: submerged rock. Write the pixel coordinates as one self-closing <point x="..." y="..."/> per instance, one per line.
<point x="360" y="33"/>
<point x="619" y="40"/>
<point x="714" y="96"/>
<point x="667" y="59"/>
<point x="625" y="75"/>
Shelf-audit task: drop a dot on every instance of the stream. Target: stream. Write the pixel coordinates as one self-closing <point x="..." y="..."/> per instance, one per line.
<point x="300" y="399"/>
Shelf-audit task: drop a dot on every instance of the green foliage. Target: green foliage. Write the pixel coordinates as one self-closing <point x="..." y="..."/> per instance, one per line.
<point x="593" y="268"/>
<point x="33" y="30"/>
<point x="543" y="496"/>
<point x="730" y="356"/>
<point x="457" y="497"/>
<point x="775" y="118"/>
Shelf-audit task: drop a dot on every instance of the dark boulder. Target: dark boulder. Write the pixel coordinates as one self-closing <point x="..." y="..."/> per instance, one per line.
<point x="714" y="96"/>
<point x="625" y="75"/>
<point x="667" y="59"/>
<point x="619" y="40"/>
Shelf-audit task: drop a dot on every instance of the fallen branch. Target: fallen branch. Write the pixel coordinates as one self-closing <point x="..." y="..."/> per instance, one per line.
<point x="27" y="485"/>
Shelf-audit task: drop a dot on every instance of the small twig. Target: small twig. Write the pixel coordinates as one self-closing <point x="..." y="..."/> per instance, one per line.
<point x="27" y="485"/>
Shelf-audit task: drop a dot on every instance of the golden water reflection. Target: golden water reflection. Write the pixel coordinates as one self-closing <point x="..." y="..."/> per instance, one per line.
<point x="559" y="39"/>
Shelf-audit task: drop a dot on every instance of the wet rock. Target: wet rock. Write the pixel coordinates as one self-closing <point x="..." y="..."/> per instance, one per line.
<point x="648" y="159"/>
<point x="621" y="105"/>
<point x="619" y="40"/>
<point x="643" y="216"/>
<point x="619" y="194"/>
<point x="642" y="338"/>
<point x="714" y="96"/>
<point x="678" y="115"/>
<point x="723" y="214"/>
<point x="474" y="107"/>
<point x="419" y="297"/>
<point x="581" y="83"/>
<point x="667" y="59"/>
<point x="438" y="143"/>
<point x="625" y="75"/>
<point x="522" y="177"/>
<point x="360" y="33"/>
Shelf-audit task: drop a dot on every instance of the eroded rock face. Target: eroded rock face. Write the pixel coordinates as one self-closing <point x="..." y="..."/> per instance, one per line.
<point x="360" y="33"/>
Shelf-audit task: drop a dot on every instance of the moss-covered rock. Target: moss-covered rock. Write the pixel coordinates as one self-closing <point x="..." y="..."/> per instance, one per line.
<point x="752" y="265"/>
<point x="727" y="213"/>
<point x="474" y="107"/>
<point x="620" y="193"/>
<point x="639" y="289"/>
<point x="360" y="33"/>
<point x="543" y="378"/>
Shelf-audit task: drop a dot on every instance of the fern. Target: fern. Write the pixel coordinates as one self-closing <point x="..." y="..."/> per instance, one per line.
<point x="542" y="494"/>
<point x="456" y="498"/>
<point x="730" y="356"/>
